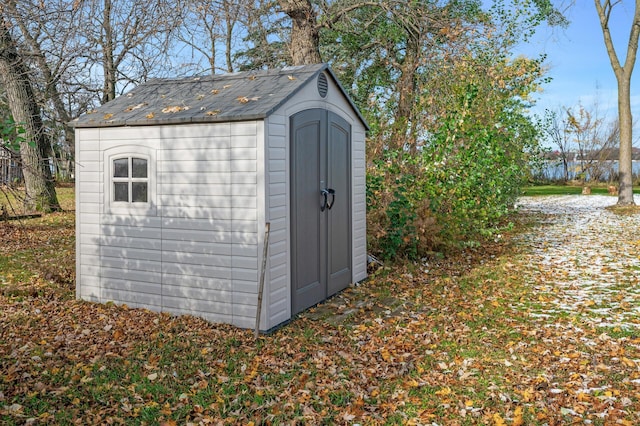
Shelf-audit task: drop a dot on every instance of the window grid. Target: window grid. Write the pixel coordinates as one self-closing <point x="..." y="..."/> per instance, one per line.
<point x="130" y="180"/>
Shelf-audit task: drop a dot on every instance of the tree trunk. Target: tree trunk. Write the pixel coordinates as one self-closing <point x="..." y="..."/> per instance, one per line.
<point x="108" y="65"/>
<point x="39" y="186"/>
<point x="305" y="35"/>
<point x="625" y="164"/>
<point x="623" y="76"/>
<point x="406" y="89"/>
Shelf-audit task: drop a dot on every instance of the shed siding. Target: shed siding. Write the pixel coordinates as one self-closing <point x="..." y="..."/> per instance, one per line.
<point x="197" y="253"/>
<point x="278" y="299"/>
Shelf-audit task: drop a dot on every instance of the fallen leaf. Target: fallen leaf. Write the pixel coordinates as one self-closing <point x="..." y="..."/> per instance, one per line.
<point x="135" y="107"/>
<point x="174" y="109"/>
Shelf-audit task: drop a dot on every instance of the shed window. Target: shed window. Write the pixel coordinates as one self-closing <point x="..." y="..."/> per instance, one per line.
<point x="130" y="180"/>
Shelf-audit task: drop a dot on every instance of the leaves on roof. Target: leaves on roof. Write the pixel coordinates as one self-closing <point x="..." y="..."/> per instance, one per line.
<point x="244" y="99"/>
<point x="135" y="107"/>
<point x="174" y="109"/>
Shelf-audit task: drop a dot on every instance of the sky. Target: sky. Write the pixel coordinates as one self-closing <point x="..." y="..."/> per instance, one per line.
<point x="578" y="63"/>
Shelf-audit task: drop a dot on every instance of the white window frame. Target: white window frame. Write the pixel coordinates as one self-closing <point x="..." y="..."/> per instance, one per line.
<point x="147" y="208"/>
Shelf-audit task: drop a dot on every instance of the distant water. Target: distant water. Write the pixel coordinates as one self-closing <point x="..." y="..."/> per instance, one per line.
<point x="604" y="171"/>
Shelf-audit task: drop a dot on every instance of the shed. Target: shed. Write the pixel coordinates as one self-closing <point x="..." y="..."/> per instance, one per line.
<point x="177" y="179"/>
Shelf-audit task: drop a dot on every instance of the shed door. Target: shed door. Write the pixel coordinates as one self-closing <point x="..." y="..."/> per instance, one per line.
<point x="320" y="206"/>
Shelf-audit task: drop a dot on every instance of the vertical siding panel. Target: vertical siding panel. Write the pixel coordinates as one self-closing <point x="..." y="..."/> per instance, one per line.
<point x="277" y="298"/>
<point x="247" y="219"/>
<point x="88" y="209"/>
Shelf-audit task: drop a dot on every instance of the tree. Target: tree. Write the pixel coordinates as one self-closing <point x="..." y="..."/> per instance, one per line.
<point x="127" y="41"/>
<point x="264" y="43"/>
<point x="304" y="46"/>
<point x="46" y="35"/>
<point x="594" y="139"/>
<point x="39" y="185"/>
<point x="209" y="28"/>
<point x="557" y="131"/>
<point x="623" y="76"/>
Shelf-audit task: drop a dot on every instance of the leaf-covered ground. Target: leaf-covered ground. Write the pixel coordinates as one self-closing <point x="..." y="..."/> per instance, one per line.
<point x="540" y="327"/>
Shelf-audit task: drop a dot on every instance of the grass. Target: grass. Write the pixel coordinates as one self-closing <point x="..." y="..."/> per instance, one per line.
<point x="538" y="190"/>
<point x="458" y="347"/>
<point x="11" y="199"/>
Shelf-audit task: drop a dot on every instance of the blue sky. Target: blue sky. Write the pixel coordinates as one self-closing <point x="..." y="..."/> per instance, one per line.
<point x="578" y="61"/>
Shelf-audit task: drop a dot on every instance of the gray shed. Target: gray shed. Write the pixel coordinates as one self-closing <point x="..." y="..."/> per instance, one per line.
<point x="176" y="180"/>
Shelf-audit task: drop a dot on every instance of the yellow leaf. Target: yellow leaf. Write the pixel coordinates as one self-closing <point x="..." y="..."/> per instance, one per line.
<point x="517" y="417"/>
<point x="444" y="392"/>
<point x="150" y="115"/>
<point x="498" y="421"/>
<point x="108" y="116"/>
<point x="385" y="354"/>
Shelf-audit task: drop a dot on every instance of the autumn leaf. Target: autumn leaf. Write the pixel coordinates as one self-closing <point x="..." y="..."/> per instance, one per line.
<point x="135" y="107"/>
<point x="107" y="116"/>
<point x="498" y="420"/>
<point x="174" y="109"/>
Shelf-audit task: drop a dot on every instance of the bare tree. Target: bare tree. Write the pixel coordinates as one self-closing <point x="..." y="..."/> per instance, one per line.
<point x="128" y="41"/>
<point x="623" y="76"/>
<point x="209" y="29"/>
<point x="594" y="138"/>
<point x="558" y="133"/>
<point x="46" y="36"/>
<point x="39" y="186"/>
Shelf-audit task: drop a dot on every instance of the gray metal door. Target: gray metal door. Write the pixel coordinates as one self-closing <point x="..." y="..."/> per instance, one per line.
<point x="320" y="206"/>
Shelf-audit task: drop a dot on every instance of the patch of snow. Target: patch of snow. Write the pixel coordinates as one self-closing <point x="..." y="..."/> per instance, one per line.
<point x="585" y="259"/>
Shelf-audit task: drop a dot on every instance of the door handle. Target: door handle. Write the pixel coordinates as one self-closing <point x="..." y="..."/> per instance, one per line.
<point x="332" y="192"/>
<point x="326" y="204"/>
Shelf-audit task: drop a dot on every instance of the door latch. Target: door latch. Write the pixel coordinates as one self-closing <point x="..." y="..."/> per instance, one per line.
<point x="326" y="204"/>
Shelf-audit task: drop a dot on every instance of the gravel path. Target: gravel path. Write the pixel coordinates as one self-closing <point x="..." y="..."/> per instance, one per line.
<point x="584" y="260"/>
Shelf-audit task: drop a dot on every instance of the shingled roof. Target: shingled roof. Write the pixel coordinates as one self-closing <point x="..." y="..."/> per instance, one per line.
<point x="249" y="95"/>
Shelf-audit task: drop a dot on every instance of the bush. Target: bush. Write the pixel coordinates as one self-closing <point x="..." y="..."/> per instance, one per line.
<point x="454" y="190"/>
